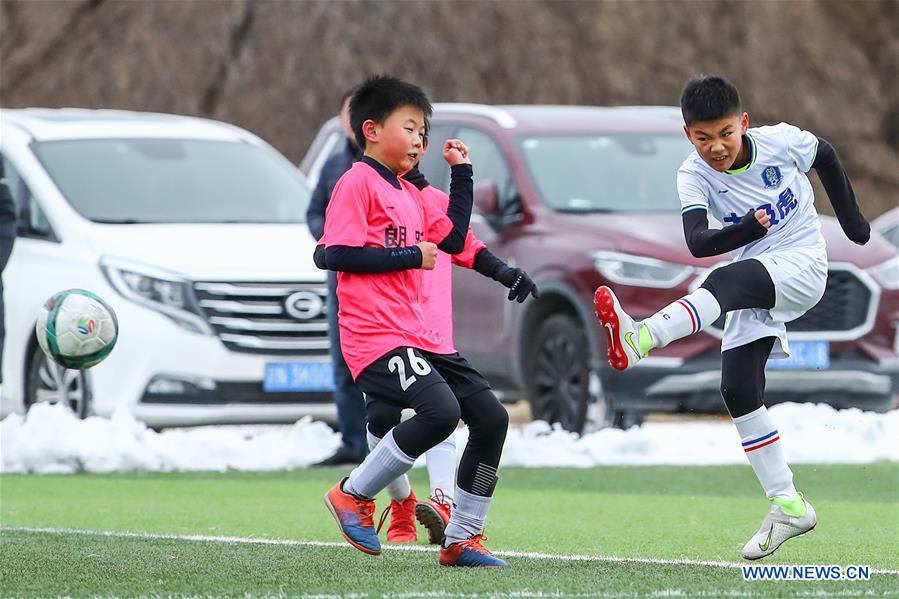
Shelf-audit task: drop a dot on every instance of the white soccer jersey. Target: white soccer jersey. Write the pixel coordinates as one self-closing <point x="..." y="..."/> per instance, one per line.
<point x="774" y="180"/>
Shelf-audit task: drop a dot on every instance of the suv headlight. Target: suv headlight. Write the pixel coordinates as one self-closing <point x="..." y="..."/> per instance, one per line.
<point x="640" y="271"/>
<point x="156" y="289"/>
<point x="886" y="273"/>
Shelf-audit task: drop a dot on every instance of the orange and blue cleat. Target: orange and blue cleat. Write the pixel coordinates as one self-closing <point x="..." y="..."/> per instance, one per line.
<point x="471" y="554"/>
<point x="434" y="515"/>
<point x="402" y="520"/>
<point x="354" y="517"/>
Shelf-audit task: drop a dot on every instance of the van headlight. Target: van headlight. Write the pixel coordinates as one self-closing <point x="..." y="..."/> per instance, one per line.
<point x="640" y="271"/>
<point x="886" y="273"/>
<point x="156" y="289"/>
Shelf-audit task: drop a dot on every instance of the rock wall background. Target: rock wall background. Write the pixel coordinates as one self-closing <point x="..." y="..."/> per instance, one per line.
<point x="277" y="67"/>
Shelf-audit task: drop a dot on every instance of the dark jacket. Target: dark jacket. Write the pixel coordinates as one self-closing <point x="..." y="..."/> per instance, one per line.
<point x="333" y="169"/>
<point x="7" y="207"/>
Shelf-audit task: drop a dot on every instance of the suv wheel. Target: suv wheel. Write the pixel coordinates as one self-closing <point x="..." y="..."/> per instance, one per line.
<point x="559" y="373"/>
<point x="47" y="381"/>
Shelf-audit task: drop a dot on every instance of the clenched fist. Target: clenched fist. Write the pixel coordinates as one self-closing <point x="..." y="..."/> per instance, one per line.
<point x="455" y="152"/>
<point x="428" y="254"/>
<point x="763" y="218"/>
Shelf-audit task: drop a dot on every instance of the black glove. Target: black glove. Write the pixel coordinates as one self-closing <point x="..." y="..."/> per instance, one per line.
<point x="518" y="282"/>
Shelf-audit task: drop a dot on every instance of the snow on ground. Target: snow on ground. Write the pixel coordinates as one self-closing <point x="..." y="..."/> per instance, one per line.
<point x="50" y="439"/>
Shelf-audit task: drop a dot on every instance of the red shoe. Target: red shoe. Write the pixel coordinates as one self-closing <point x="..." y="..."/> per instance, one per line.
<point x="621" y="330"/>
<point x="402" y="520"/>
<point x="434" y="514"/>
<point x="470" y="553"/>
<point x="354" y="517"/>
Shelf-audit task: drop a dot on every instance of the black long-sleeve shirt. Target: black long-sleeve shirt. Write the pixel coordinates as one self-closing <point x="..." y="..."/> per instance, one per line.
<point x="839" y="192"/>
<point x="704" y="242"/>
<point x="485" y="262"/>
<point x="7" y="207"/>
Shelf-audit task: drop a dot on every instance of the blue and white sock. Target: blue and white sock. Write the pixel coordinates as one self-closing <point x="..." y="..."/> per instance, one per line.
<point x="399" y="488"/>
<point x="384" y="464"/>
<point x="687" y="316"/>
<point x="761" y="442"/>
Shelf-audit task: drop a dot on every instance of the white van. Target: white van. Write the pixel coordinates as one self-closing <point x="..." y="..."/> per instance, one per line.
<point x="194" y="231"/>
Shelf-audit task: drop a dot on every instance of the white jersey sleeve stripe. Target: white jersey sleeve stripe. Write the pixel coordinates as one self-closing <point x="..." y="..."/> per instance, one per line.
<point x="802" y="146"/>
<point x="692" y="207"/>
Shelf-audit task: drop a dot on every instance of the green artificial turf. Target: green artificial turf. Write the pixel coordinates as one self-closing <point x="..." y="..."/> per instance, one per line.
<point x="656" y="513"/>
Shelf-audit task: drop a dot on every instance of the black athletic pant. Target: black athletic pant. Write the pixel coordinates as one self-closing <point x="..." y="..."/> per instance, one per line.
<point x="743" y="376"/>
<point x="450" y="390"/>
<point x="487" y="422"/>
<point x="738" y="286"/>
<point x="437" y="413"/>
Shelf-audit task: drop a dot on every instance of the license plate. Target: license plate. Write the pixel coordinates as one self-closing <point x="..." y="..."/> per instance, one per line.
<point x="298" y="376"/>
<point x="804" y="355"/>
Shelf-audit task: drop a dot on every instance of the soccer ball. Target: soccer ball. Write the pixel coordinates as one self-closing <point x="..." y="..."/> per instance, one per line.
<point x="76" y="329"/>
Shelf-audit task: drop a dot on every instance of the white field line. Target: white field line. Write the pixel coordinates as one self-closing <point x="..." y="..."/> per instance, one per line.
<point x="408" y="548"/>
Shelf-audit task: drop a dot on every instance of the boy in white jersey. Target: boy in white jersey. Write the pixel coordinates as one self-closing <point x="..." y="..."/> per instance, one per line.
<point x="754" y="181"/>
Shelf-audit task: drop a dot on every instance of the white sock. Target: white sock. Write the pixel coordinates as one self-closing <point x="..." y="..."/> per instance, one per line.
<point x="399" y="489"/>
<point x="468" y="516"/>
<point x="761" y="442"/>
<point x="384" y="464"/>
<point x="687" y="316"/>
<point x="441" y="461"/>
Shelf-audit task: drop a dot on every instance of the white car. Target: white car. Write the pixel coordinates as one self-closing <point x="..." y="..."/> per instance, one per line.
<point x="193" y="230"/>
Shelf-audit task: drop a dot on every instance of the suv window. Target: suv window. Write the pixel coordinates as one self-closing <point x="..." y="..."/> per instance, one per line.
<point x="174" y="181"/>
<point x="490" y="165"/>
<point x="892" y="235"/>
<point x="606" y="173"/>
<point x="433" y="166"/>
<point x="332" y="145"/>
<point x="31" y="220"/>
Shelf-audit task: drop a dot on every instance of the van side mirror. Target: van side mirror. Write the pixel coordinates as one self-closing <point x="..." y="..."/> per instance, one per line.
<point x="486" y="198"/>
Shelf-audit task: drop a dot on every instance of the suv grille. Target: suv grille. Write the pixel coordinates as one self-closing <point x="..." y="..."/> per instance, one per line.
<point x="844" y="306"/>
<point x="256" y="318"/>
<point x="842" y="314"/>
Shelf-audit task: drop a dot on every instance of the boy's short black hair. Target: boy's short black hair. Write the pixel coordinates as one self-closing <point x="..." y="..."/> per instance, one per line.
<point x="378" y="97"/>
<point x="709" y="98"/>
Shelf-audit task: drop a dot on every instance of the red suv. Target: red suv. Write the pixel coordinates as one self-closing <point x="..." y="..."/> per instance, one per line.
<point x="583" y="196"/>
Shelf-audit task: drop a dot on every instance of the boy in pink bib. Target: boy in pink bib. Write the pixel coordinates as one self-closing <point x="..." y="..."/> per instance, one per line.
<point x="380" y="234"/>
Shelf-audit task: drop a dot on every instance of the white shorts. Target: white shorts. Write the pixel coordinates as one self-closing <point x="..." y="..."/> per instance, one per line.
<point x="800" y="277"/>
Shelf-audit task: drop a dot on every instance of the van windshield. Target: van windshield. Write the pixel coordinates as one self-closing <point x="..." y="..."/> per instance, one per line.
<point x="175" y="181"/>
<point x="606" y="173"/>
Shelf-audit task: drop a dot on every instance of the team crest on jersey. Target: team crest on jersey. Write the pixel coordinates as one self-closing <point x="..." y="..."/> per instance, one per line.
<point x="771" y="177"/>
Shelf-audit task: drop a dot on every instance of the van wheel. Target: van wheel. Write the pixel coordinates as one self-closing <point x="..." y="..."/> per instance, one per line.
<point x="558" y="373"/>
<point x="47" y="381"/>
